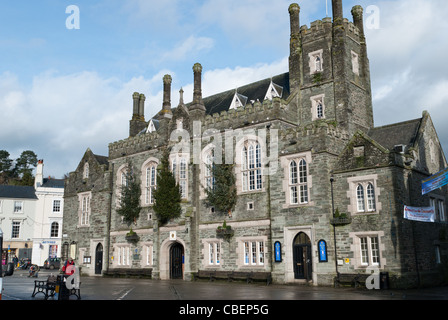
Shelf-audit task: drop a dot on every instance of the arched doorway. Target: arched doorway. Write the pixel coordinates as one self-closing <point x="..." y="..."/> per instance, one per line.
<point x="176" y="261"/>
<point x="98" y="258"/>
<point x="302" y="256"/>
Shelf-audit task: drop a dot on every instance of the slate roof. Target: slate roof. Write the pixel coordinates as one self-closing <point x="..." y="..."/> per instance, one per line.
<point x="17" y="192"/>
<point x="402" y="133"/>
<point x="53" y="183"/>
<point x="254" y="91"/>
<point x="101" y="159"/>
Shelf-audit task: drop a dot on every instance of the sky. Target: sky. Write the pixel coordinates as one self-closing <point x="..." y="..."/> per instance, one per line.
<point x="66" y="87"/>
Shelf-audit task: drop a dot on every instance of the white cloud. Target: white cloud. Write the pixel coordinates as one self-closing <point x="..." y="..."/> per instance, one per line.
<point x="60" y="116"/>
<point x="188" y="47"/>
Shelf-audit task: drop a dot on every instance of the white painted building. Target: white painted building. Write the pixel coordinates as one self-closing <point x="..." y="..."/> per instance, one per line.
<point x="47" y="230"/>
<point x="17" y="215"/>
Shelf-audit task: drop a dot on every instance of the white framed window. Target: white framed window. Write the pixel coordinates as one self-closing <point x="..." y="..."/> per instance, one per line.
<point x="316" y="62"/>
<point x="15" y="231"/>
<point x="179" y="167"/>
<point x="209" y="160"/>
<point x="363" y="193"/>
<point x="254" y="253"/>
<point x="84" y="208"/>
<point x="297" y="181"/>
<point x="251" y="168"/>
<point x="365" y="197"/>
<point x="56" y="205"/>
<point x="439" y="208"/>
<point x="147" y="255"/>
<point x="150" y="183"/>
<point x="18" y="206"/>
<point x="367" y="249"/>
<point x="318" y="107"/>
<point x="214" y="253"/>
<point x="123" y="255"/>
<point x="298" y="187"/>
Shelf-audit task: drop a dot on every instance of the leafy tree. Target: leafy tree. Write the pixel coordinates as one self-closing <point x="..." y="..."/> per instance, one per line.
<point x="129" y="205"/>
<point x="222" y="193"/>
<point x="5" y="161"/>
<point x="167" y="196"/>
<point x="6" y="173"/>
<point x="26" y="162"/>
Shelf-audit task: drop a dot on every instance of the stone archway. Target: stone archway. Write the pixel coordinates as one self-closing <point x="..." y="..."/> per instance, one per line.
<point x="167" y="248"/>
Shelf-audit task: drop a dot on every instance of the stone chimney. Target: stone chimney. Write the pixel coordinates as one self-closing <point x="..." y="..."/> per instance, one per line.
<point x="141" y="107"/>
<point x="357" y="12"/>
<point x="338" y="16"/>
<point x="197" y="103"/>
<point x="135" y="112"/>
<point x="39" y="179"/>
<point x="166" y="107"/>
<point x="294" y="47"/>
<point x="137" y="122"/>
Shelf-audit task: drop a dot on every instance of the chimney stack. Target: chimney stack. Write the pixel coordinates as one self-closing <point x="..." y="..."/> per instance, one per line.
<point x="358" y="21"/>
<point x="166" y="107"/>
<point x="136" y="98"/>
<point x="294" y="47"/>
<point x="137" y="122"/>
<point x="338" y="15"/>
<point x="141" y="107"/>
<point x="39" y="179"/>
<point x="197" y="104"/>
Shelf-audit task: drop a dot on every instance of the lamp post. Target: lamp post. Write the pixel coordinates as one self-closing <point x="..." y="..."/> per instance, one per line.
<point x="334" y="228"/>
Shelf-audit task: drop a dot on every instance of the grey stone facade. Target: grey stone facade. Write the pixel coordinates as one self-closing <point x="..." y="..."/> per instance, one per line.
<point x="316" y="135"/>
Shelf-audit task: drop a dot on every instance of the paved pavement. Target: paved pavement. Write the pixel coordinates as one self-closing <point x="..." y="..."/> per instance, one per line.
<point x="20" y="287"/>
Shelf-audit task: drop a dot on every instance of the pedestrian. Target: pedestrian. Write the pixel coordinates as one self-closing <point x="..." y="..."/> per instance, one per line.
<point x="67" y="269"/>
<point x="15" y="260"/>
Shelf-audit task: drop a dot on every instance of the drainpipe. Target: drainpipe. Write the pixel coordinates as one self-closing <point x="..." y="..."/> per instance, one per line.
<point x="334" y="229"/>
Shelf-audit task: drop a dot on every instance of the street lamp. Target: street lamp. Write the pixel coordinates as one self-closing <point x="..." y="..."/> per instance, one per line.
<point x="334" y="228"/>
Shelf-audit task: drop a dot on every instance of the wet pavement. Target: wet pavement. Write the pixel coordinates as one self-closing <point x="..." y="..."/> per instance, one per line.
<point x="20" y="287"/>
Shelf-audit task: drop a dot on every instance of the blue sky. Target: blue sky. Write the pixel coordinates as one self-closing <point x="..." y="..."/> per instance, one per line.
<point x="62" y="91"/>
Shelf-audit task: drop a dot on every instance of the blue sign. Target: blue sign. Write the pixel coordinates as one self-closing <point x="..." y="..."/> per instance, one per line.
<point x="434" y="182"/>
<point x="278" y="251"/>
<point x="322" y="251"/>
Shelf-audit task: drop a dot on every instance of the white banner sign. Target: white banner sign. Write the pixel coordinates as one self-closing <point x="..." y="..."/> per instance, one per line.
<point x="425" y="214"/>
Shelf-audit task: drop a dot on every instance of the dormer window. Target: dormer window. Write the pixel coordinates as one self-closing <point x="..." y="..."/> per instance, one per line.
<point x="274" y="90"/>
<point x="238" y="101"/>
<point x="152" y="126"/>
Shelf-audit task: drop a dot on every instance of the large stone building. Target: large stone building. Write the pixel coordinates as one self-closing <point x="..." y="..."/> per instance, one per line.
<point x="320" y="189"/>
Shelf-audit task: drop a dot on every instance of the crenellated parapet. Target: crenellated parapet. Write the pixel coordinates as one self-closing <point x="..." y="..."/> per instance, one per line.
<point x="323" y="28"/>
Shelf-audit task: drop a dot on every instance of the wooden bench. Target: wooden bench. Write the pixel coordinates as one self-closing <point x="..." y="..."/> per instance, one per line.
<point x="129" y="272"/>
<point x="353" y="279"/>
<point x="47" y="287"/>
<point x="248" y="276"/>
